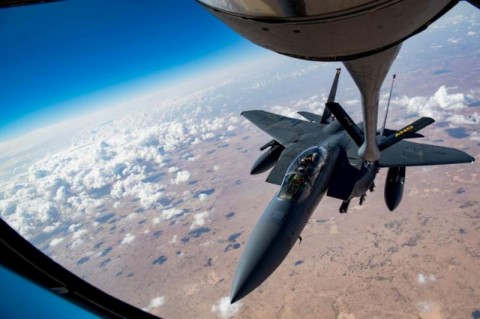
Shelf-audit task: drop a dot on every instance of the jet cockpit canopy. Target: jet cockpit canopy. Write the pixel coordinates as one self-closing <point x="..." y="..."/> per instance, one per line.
<point x="302" y="174"/>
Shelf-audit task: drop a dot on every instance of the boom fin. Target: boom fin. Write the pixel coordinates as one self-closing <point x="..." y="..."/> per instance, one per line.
<point x="388" y="132"/>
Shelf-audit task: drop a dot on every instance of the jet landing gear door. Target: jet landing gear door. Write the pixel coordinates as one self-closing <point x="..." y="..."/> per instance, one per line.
<point x="343" y="179"/>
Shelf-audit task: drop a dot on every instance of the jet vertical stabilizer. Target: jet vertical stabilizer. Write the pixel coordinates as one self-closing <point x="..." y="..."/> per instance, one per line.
<point x="327" y="114"/>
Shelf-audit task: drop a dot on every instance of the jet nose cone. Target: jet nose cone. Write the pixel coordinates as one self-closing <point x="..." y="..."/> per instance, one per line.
<point x="264" y="252"/>
<point x="235" y="295"/>
<point x="245" y="282"/>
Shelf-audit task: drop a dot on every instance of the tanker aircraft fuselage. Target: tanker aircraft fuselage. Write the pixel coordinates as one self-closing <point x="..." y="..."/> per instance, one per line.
<point x="366" y="35"/>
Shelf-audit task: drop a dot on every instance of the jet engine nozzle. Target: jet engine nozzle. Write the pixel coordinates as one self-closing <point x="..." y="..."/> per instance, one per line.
<point x="267" y="159"/>
<point x="394" y="187"/>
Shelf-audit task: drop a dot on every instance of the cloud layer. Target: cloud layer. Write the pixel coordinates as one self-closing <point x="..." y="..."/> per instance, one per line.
<point x="224" y="309"/>
<point x="155" y="303"/>
<point x="441" y="106"/>
<point x="108" y="164"/>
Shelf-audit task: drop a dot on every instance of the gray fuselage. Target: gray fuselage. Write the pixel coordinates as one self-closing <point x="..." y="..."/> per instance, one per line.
<point x="284" y="219"/>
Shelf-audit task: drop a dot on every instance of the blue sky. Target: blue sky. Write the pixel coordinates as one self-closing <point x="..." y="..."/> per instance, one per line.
<point x="66" y="57"/>
<point x="28" y="300"/>
<point x="54" y="53"/>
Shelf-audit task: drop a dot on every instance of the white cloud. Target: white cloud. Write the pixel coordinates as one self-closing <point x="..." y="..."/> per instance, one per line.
<point x="421" y="279"/>
<point x="460" y="119"/>
<point x="51" y="228"/>
<point x="449" y="101"/>
<point x="453" y="40"/>
<point x="132" y="216"/>
<point x="471" y="33"/>
<point x="76" y="243"/>
<point x="202" y="196"/>
<point x="450" y="21"/>
<point x="169" y="213"/>
<point x="117" y="205"/>
<point x="74" y="227"/>
<point x="173" y="169"/>
<point x="436" y="46"/>
<point x="56" y="241"/>
<point x="199" y="219"/>
<point x="110" y="159"/>
<point x="233" y="119"/>
<point x="182" y="176"/>
<point x="424" y="306"/>
<point x="150" y="196"/>
<point x="285" y="111"/>
<point x="353" y="102"/>
<point x="155" y="303"/>
<point x="257" y="85"/>
<point x="192" y="158"/>
<point x="207" y="136"/>
<point x="173" y="240"/>
<point x="79" y="233"/>
<point x="128" y="239"/>
<point x="226" y="310"/>
<point x="437" y="106"/>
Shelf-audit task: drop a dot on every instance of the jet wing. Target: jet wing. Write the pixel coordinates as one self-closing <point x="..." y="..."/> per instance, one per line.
<point x="406" y="153"/>
<point x="284" y="130"/>
<point x="311" y="116"/>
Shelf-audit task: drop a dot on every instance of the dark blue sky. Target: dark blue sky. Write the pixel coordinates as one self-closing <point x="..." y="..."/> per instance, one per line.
<point x="56" y="52"/>
<point x="27" y="300"/>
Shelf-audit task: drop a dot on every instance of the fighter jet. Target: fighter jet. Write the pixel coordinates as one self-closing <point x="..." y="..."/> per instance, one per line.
<point x="366" y="35"/>
<point x="317" y="157"/>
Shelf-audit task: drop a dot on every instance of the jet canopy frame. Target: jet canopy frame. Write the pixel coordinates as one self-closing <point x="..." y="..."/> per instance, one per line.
<point x="302" y="174"/>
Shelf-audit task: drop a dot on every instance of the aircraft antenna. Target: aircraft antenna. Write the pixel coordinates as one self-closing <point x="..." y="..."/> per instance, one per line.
<point x="388" y="105"/>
